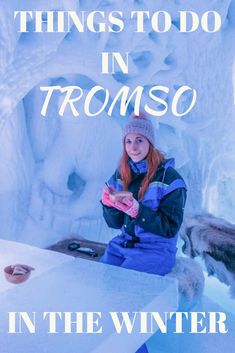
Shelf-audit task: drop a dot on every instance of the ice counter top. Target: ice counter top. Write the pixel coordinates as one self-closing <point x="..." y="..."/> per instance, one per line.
<point x="63" y="284"/>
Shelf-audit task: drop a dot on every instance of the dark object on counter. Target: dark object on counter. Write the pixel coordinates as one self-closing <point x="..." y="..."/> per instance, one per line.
<point x="73" y="246"/>
<point x="96" y="250"/>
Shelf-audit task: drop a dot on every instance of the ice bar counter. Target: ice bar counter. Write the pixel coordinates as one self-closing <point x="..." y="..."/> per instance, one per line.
<point x="64" y="284"/>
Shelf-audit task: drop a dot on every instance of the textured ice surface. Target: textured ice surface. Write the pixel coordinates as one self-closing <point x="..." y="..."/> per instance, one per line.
<point x="76" y="285"/>
<point x="53" y="168"/>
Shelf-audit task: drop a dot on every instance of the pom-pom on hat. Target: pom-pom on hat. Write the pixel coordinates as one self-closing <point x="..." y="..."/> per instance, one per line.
<point x="140" y="125"/>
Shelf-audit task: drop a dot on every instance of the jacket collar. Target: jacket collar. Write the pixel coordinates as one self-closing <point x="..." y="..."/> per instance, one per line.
<point x="142" y="167"/>
<point x="139" y="167"/>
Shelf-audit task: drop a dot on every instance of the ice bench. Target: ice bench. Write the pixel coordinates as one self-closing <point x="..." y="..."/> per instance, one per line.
<point x="187" y="271"/>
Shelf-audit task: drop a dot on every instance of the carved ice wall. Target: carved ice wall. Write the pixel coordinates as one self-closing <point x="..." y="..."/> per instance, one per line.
<point x="53" y="169"/>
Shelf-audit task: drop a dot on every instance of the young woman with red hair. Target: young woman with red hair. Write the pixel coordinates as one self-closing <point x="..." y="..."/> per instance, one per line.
<point x="150" y="219"/>
<point x="150" y="216"/>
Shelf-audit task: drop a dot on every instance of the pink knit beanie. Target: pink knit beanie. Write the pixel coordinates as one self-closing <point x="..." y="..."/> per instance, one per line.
<point x="140" y="125"/>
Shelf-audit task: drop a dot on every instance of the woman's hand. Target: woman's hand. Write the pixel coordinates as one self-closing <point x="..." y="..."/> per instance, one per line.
<point x="128" y="206"/>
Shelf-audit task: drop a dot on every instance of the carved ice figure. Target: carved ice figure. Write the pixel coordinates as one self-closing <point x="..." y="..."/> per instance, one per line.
<point x="68" y="187"/>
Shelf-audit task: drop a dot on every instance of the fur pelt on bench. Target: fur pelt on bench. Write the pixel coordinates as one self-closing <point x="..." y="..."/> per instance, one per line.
<point x="190" y="281"/>
<point x="213" y="239"/>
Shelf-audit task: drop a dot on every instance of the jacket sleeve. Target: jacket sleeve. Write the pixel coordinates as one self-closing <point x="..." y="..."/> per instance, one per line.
<point x="166" y="221"/>
<point x="113" y="217"/>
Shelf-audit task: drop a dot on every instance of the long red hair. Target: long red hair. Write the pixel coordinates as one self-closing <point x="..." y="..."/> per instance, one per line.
<point x="153" y="159"/>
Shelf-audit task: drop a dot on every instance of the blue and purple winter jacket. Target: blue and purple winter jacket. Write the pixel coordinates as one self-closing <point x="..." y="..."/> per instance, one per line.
<point x="161" y="209"/>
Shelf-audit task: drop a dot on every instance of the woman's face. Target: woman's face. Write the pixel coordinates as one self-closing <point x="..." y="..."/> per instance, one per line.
<point x="137" y="147"/>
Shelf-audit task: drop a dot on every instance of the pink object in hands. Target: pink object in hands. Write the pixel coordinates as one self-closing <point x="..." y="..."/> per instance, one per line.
<point x="128" y="206"/>
<point x="106" y="199"/>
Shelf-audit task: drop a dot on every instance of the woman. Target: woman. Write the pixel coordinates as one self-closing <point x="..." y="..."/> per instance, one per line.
<point x="149" y="221"/>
